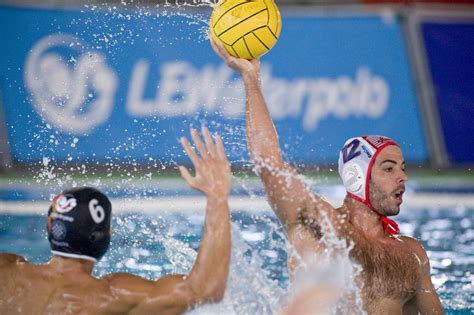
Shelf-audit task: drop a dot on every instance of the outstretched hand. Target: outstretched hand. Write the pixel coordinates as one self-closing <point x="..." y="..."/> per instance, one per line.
<point x="213" y="174"/>
<point x="243" y="66"/>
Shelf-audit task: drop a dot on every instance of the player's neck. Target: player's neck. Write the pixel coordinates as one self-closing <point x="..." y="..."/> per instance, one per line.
<point x="363" y="218"/>
<point x="71" y="264"/>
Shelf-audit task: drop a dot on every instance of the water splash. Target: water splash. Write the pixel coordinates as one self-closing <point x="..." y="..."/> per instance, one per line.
<point x="249" y="290"/>
<point x="149" y="17"/>
<point x="327" y="277"/>
<point x="311" y="275"/>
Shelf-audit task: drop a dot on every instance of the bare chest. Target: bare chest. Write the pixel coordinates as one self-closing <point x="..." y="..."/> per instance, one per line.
<point x="390" y="270"/>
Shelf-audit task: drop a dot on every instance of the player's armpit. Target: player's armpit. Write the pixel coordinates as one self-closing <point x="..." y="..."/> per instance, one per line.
<point x="290" y="195"/>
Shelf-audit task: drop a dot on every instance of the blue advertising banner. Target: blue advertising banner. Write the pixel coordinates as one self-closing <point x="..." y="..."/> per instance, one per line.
<point x="449" y="46"/>
<point x="122" y="86"/>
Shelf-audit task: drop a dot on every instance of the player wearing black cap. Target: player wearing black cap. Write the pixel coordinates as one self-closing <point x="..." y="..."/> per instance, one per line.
<point x="79" y="233"/>
<point x="79" y="223"/>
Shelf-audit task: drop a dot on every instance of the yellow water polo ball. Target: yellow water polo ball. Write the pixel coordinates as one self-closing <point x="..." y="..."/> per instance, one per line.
<point x="247" y="28"/>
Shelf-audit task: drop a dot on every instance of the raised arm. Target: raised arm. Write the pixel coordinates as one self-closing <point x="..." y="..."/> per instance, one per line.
<point x="289" y="197"/>
<point x="208" y="276"/>
<point x="207" y="280"/>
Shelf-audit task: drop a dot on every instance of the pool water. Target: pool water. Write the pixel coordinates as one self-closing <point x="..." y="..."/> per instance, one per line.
<point x="152" y="246"/>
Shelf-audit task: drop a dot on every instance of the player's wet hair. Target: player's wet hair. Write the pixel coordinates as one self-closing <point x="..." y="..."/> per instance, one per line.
<point x="79" y="223"/>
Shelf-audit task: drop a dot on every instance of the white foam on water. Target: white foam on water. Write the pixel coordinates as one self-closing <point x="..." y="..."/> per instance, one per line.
<point x="249" y="290"/>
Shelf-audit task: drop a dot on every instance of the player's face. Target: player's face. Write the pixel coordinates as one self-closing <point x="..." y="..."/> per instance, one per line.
<point x="387" y="181"/>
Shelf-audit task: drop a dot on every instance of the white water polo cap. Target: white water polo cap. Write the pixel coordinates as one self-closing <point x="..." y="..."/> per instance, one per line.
<point x="355" y="166"/>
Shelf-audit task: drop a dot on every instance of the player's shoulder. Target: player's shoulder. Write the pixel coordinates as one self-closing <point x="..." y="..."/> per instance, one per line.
<point x="11" y="259"/>
<point x="414" y="245"/>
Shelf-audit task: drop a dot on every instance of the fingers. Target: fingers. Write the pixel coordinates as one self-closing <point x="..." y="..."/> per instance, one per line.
<point x="211" y="165"/>
<point x="242" y="66"/>
<point x="186" y="175"/>
<point x="224" y="54"/>
<point x="209" y="150"/>
<point x="231" y="61"/>
<point x="189" y="151"/>
<point x="220" y="50"/>
<point x="220" y="148"/>
<point x="209" y="143"/>
<point x="199" y="145"/>
<point x="214" y="46"/>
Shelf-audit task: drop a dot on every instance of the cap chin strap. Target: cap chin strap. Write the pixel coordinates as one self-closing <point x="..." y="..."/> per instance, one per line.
<point x="389" y="225"/>
<point x="70" y="255"/>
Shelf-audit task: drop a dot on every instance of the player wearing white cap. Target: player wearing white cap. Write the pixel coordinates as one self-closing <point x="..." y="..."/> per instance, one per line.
<point x="396" y="272"/>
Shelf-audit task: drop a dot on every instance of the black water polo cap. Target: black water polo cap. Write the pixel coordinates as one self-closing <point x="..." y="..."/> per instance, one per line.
<point x="79" y="223"/>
